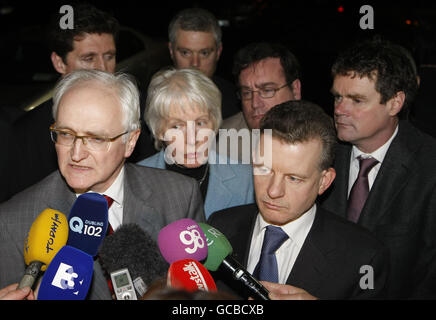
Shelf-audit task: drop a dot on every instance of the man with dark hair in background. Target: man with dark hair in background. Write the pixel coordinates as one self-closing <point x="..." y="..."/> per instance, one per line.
<point x="266" y="74"/>
<point x="386" y="172"/>
<point x="195" y="41"/>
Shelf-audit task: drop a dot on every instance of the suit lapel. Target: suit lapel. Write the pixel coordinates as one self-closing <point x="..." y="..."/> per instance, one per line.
<point x="242" y="232"/>
<point x="136" y="205"/>
<point x="311" y="266"/>
<point x="65" y="197"/>
<point x="391" y="179"/>
<point x="338" y="195"/>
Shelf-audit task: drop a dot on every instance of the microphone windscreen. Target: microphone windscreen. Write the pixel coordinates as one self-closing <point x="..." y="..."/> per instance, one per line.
<point x="68" y="277"/>
<point x="47" y="235"/>
<point x="132" y="248"/>
<point x="217" y="245"/>
<point x="182" y="239"/>
<point x="190" y="275"/>
<point x="88" y="222"/>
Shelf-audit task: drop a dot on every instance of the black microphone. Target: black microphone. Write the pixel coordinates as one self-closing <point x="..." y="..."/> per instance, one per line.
<point x="220" y="257"/>
<point x="132" y="248"/>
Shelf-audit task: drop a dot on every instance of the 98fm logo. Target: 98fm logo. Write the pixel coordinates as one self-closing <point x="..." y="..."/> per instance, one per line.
<point x="90" y="228"/>
<point x="193" y="238"/>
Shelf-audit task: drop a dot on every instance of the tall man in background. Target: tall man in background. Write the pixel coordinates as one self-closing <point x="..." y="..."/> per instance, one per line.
<point x="385" y="168"/>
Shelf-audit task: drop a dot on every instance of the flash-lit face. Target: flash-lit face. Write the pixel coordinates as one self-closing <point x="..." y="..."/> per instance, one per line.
<point x="188" y="131"/>
<point x="91" y="109"/>
<point x="288" y="186"/>
<point x="266" y="74"/>
<point x="195" y="49"/>
<point x="360" y="117"/>
<point x="90" y="51"/>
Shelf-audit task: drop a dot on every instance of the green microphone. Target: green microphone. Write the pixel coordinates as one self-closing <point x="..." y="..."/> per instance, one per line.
<point x="220" y="257"/>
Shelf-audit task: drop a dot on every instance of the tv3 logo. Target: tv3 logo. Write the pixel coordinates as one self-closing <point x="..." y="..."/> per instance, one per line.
<point x="64" y="278"/>
<point x="191" y="237"/>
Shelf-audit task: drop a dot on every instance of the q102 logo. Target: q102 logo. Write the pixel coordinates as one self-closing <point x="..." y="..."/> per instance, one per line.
<point x="90" y="228"/>
<point x="191" y="237"/>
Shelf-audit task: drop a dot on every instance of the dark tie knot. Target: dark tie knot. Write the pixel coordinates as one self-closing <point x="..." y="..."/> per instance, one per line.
<point x="274" y="238"/>
<point x="366" y="164"/>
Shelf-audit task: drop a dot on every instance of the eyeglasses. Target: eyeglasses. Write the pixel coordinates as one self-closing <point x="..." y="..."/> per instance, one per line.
<point x="68" y="138"/>
<point x="265" y="93"/>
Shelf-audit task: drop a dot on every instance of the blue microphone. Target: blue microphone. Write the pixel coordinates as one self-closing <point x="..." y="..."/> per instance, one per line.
<point x="68" y="276"/>
<point x="88" y="222"/>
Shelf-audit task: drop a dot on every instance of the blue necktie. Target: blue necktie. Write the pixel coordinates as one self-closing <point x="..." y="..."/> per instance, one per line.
<point x="266" y="268"/>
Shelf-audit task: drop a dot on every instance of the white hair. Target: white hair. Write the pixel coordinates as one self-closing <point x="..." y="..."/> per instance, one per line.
<point x="169" y="86"/>
<point x="122" y="84"/>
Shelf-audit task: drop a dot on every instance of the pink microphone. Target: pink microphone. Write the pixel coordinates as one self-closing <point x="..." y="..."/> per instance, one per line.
<point x="190" y="275"/>
<point x="182" y="239"/>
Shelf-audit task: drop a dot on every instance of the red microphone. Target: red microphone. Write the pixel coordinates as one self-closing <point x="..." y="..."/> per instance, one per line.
<point x="190" y="275"/>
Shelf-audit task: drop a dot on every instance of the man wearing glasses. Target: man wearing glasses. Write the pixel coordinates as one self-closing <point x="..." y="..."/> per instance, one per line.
<point x="96" y="129"/>
<point x="267" y="74"/>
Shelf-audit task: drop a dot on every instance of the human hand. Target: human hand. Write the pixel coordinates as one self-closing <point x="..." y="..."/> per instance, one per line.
<point x="12" y="292"/>
<point x="279" y="291"/>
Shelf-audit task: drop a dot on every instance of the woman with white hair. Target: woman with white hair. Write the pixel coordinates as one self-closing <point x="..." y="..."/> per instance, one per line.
<point x="183" y="112"/>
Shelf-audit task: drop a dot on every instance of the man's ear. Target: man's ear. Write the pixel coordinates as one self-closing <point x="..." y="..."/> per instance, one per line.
<point x="396" y="103"/>
<point x="58" y="63"/>
<point x="170" y="48"/>
<point x="131" y="143"/>
<point x="219" y="50"/>
<point x="296" y="89"/>
<point x="326" y="180"/>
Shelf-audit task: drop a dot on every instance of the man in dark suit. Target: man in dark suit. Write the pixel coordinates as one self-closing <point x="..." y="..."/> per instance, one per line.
<point x="321" y="254"/>
<point x="96" y="129"/>
<point x="372" y="83"/>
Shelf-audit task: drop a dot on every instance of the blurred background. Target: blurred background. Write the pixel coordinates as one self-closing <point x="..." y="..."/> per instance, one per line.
<point x="315" y="30"/>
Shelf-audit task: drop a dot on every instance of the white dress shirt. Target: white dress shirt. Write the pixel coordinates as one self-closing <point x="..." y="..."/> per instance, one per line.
<point x="116" y="192"/>
<point x="286" y="255"/>
<point x="378" y="154"/>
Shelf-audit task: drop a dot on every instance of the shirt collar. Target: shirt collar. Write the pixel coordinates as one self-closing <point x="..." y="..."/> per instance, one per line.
<point x="297" y="230"/>
<point x="378" y="154"/>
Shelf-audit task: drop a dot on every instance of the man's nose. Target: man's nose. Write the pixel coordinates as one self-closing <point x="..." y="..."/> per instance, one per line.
<point x="257" y="101"/>
<point x="276" y="187"/>
<point x="78" y="150"/>
<point x="195" y="60"/>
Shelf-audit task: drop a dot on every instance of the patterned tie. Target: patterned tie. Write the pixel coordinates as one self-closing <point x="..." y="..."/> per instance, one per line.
<point x="267" y="268"/>
<point x="359" y="191"/>
<point x="109" y="203"/>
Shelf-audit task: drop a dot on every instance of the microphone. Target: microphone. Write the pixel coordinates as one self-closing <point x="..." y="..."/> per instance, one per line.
<point x="88" y="222"/>
<point x="190" y="275"/>
<point x="68" y="277"/>
<point x="182" y="239"/>
<point x="220" y="257"/>
<point x="48" y="234"/>
<point x="132" y="248"/>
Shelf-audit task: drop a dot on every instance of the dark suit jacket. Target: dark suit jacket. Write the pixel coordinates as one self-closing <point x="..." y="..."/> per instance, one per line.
<point x="153" y="198"/>
<point x="400" y="209"/>
<point x="328" y="265"/>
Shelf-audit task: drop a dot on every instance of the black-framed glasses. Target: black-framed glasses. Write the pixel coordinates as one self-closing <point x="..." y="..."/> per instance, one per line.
<point x="265" y="93"/>
<point x="68" y="138"/>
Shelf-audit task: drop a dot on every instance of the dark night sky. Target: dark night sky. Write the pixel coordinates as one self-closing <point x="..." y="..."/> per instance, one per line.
<point x="314" y="29"/>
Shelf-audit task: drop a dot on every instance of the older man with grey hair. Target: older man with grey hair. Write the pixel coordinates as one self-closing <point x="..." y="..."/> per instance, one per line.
<point x="96" y="128"/>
